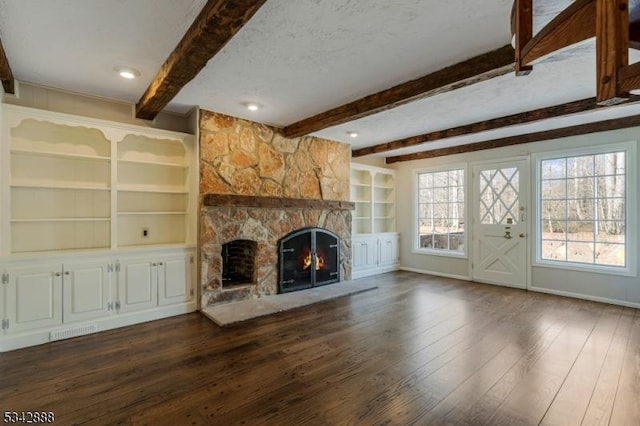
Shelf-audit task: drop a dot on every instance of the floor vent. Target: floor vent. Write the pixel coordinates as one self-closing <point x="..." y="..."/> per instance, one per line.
<point x="73" y="332"/>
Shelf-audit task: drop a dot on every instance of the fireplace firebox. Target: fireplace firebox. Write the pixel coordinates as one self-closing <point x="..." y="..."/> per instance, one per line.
<point x="238" y="262"/>
<point x="308" y="258"/>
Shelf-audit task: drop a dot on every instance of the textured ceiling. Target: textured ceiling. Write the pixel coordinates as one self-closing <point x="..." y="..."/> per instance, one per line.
<point x="299" y="58"/>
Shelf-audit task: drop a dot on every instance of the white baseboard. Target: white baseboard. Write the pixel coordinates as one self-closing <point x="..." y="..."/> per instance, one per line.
<point x="373" y="271"/>
<point x="437" y="274"/>
<point x="9" y="342"/>
<point x="585" y="297"/>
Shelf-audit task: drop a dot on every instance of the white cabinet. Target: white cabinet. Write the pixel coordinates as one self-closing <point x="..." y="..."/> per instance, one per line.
<point x="64" y="298"/>
<point x="375" y="254"/>
<point x="374" y="240"/>
<point x="86" y="290"/>
<point x="80" y="198"/>
<point x="388" y="246"/>
<point x="365" y="252"/>
<point x="174" y="279"/>
<point x="137" y="285"/>
<point x="145" y="283"/>
<point x="33" y="297"/>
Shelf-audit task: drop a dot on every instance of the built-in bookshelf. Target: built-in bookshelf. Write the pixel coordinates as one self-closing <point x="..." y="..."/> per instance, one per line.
<point x="76" y="184"/>
<point x="373" y="192"/>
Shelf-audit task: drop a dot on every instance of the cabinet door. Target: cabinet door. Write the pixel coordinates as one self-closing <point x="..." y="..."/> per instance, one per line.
<point x="86" y="290"/>
<point x="365" y="253"/>
<point x="388" y="250"/>
<point x="174" y="279"/>
<point x="34" y="297"/>
<point x="137" y="284"/>
<point x="3" y="312"/>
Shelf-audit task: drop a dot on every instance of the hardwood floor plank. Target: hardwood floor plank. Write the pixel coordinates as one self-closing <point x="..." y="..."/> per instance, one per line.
<point x="570" y="404"/>
<point x="626" y="408"/>
<point x="602" y="399"/>
<point x="417" y="350"/>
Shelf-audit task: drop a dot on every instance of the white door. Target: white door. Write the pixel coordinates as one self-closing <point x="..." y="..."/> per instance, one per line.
<point x="86" y="290"/>
<point x="500" y="215"/>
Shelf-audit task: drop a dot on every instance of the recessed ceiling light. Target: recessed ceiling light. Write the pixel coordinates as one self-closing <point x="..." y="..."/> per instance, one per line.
<point x="252" y="106"/>
<point x="128" y="73"/>
<point x="352" y="134"/>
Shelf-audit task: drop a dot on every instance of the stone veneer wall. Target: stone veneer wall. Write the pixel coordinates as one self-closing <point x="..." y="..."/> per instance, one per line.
<point x="239" y="157"/>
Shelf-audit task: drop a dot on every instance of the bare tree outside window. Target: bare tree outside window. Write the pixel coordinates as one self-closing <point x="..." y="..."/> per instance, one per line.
<point x="441" y="210"/>
<point x="582" y="209"/>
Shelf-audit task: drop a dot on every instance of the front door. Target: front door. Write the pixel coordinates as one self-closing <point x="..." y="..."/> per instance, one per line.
<point x="500" y="215"/>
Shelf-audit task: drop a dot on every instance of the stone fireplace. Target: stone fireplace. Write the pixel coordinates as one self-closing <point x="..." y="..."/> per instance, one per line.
<point x="256" y="188"/>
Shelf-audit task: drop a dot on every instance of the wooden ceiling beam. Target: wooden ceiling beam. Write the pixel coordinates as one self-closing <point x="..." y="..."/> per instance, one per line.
<point x="573" y="24"/>
<point x="481" y="126"/>
<point x="629" y="77"/>
<point x="477" y="69"/>
<point x="6" y="76"/>
<point x="523" y="32"/>
<point x="582" y="129"/>
<point x="612" y="49"/>
<point x="216" y="24"/>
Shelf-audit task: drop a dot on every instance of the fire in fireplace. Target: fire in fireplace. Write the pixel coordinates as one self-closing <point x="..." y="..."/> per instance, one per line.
<point x="309" y="257"/>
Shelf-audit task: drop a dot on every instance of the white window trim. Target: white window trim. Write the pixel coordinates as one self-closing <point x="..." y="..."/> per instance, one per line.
<point x="631" y="246"/>
<point x="415" y="245"/>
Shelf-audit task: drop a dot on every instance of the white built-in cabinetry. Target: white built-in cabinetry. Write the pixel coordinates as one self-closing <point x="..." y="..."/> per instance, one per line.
<point x="374" y="240"/>
<point x="97" y="225"/>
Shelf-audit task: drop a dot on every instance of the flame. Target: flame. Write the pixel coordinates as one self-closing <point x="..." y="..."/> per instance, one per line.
<point x="307" y="262"/>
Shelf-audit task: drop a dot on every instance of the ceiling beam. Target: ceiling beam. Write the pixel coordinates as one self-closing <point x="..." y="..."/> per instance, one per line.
<point x="479" y="68"/>
<point x="6" y="76"/>
<point x="612" y="48"/>
<point x="573" y="24"/>
<point x="216" y="24"/>
<point x="582" y="129"/>
<point x="481" y="126"/>
<point x="523" y="32"/>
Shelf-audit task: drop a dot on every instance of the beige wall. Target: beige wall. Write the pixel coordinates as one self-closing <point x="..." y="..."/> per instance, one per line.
<point x="34" y="96"/>
<point x="596" y="286"/>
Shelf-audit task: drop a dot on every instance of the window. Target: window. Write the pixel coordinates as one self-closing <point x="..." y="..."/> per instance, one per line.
<point x="441" y="211"/>
<point x="581" y="204"/>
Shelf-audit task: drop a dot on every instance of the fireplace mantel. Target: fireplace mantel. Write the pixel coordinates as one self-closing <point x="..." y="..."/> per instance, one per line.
<point x="228" y="200"/>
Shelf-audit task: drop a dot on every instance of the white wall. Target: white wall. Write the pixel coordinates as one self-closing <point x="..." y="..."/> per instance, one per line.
<point x="595" y="286"/>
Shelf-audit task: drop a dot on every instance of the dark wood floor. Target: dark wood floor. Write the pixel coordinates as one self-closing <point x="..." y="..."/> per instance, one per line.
<point x="418" y="350"/>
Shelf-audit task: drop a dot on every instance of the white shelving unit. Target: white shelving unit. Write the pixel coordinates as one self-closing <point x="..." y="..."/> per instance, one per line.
<point x="153" y="191"/>
<point x="375" y="241"/>
<point x="361" y="184"/>
<point x="80" y="197"/>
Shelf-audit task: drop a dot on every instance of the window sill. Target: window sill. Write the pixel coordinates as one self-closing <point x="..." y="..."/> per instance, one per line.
<point x="441" y="253"/>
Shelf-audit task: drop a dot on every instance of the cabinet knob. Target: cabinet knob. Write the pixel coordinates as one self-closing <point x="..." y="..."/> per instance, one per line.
<point x="57" y="274"/>
<point x="67" y="273"/>
<point x="154" y="264"/>
<point x="160" y="263"/>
